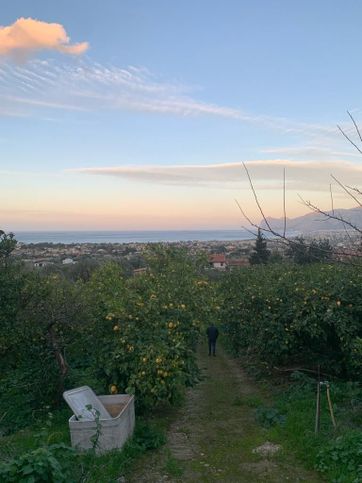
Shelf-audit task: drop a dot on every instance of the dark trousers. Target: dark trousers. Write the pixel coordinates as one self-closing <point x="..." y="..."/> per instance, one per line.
<point x="212" y="346"/>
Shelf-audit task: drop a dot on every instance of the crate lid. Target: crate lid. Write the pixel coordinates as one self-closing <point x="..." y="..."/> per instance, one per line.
<point x="85" y="404"/>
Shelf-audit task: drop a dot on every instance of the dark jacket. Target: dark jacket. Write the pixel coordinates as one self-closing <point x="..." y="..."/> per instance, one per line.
<point x="212" y="333"/>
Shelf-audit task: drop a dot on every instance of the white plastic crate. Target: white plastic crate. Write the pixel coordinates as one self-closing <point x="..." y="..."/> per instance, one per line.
<point x="114" y="432"/>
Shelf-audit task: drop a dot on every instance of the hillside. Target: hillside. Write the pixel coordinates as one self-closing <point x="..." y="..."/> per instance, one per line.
<point x="315" y="222"/>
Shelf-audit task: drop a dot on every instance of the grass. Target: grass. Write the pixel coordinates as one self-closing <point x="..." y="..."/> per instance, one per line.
<point x="222" y="421"/>
<point x="220" y="433"/>
<point x="85" y="467"/>
<point x="298" y="406"/>
<point x="173" y="467"/>
<point x="290" y="420"/>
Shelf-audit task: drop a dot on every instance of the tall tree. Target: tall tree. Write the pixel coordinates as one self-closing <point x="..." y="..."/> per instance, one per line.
<point x="260" y="254"/>
<point x="303" y="253"/>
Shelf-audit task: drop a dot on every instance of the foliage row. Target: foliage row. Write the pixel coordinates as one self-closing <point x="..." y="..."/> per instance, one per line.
<point x="114" y="333"/>
<point x="305" y="315"/>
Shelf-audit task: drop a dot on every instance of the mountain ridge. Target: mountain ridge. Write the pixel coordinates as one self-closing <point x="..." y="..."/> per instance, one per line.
<point x="316" y="222"/>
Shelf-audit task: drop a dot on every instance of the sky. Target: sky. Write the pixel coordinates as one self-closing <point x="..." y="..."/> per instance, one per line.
<point x="138" y="114"/>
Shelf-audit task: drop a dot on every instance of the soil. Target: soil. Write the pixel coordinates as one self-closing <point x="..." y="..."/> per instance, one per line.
<point x="213" y="437"/>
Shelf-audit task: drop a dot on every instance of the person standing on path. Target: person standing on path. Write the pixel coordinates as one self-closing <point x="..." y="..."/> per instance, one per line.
<point x="212" y="334"/>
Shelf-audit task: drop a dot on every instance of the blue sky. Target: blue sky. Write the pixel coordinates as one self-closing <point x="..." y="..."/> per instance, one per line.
<point x="146" y="125"/>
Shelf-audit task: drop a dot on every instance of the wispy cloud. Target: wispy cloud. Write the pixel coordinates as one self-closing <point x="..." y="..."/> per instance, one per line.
<point x="319" y="152"/>
<point x="27" y="35"/>
<point x="87" y="85"/>
<point x="266" y="173"/>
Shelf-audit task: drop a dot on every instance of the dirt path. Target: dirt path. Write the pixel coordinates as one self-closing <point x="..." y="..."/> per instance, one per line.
<point x="214" y="434"/>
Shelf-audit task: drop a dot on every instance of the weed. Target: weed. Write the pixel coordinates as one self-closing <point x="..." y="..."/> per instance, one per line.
<point x="42" y="465"/>
<point x="95" y="437"/>
<point x="148" y="436"/>
<point x="251" y="401"/>
<point x="341" y="459"/>
<point x="268" y="417"/>
<point x="173" y="467"/>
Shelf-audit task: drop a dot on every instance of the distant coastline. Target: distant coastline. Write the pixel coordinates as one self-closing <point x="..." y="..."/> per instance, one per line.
<point x="146" y="236"/>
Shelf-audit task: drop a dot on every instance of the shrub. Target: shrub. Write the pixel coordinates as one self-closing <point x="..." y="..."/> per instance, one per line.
<point x="306" y="315"/>
<point x="42" y="465"/>
<point x="268" y="417"/>
<point x="342" y="458"/>
<point x="150" y="324"/>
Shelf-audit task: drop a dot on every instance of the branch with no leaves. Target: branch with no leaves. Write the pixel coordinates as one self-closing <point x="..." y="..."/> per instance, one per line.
<point x="315" y="209"/>
<point x="256" y="197"/>
<point x="282" y="236"/>
<point x="356" y="190"/>
<point x="346" y="190"/>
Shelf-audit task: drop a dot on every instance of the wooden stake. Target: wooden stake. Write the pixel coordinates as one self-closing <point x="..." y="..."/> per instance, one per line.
<point x="318" y="403"/>
<point x="331" y="407"/>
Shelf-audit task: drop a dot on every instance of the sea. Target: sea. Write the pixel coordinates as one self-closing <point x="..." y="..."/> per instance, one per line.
<point x="68" y="237"/>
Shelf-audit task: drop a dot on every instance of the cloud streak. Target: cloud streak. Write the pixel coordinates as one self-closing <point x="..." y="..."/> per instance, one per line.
<point x="320" y="152"/>
<point x="267" y="174"/>
<point x="91" y="86"/>
<point x="27" y="36"/>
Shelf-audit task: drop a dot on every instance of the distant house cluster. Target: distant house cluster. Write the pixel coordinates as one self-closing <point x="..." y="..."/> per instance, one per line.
<point x="219" y="261"/>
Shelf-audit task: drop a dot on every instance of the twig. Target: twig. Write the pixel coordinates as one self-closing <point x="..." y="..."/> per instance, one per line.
<point x="256" y="197"/>
<point x="358" y="191"/>
<point x="284" y="205"/>
<point x="300" y="369"/>
<point x="283" y="237"/>
<point x="330" y="216"/>
<point x="355" y="125"/>
<point x="332" y="205"/>
<point x="346" y="190"/>
<point x="349" y="140"/>
<point x="244" y="214"/>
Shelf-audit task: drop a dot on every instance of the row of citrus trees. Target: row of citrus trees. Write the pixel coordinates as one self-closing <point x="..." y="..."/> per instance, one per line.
<point x="112" y="332"/>
<point x="306" y="315"/>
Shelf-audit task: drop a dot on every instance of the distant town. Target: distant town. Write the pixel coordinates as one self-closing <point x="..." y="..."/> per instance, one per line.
<point x="221" y="254"/>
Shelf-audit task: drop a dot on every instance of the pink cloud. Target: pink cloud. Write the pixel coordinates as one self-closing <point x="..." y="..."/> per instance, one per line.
<point x="27" y="35"/>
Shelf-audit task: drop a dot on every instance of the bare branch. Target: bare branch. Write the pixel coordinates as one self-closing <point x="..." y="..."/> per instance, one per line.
<point x="249" y="231"/>
<point x="349" y="139"/>
<point x="244" y="214"/>
<point x="347" y="232"/>
<point x="281" y="237"/>
<point x="352" y="188"/>
<point x="332" y="204"/>
<point x="284" y="205"/>
<point x="346" y="190"/>
<point x="330" y="216"/>
<point x="256" y="197"/>
<point x="355" y="125"/>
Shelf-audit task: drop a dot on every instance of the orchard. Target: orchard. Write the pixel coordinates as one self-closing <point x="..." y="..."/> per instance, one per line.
<point x="114" y="333"/>
<point x="309" y="315"/>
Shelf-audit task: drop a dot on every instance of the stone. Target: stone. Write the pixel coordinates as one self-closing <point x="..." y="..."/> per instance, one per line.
<point x="267" y="449"/>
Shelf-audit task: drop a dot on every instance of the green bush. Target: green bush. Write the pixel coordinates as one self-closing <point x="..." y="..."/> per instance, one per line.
<point x="131" y="334"/>
<point x="305" y="315"/>
<point x="50" y="464"/>
<point x="268" y="417"/>
<point x="148" y="326"/>
<point x="341" y="460"/>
